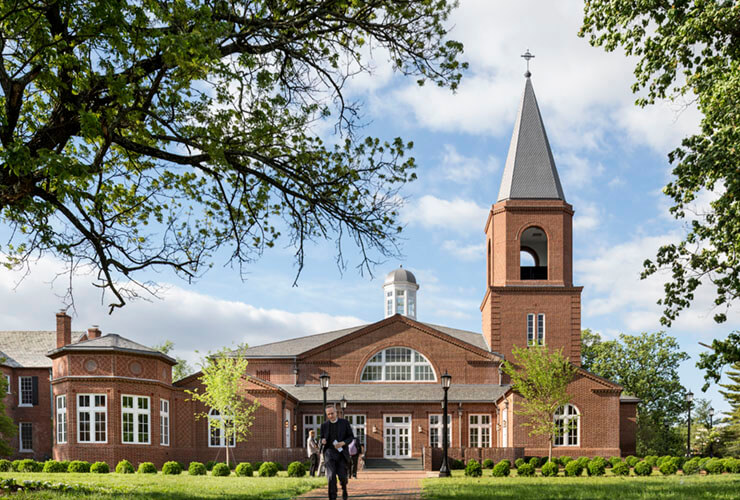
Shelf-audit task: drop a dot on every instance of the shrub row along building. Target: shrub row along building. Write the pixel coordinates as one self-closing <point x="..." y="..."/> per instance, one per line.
<point x="89" y="396"/>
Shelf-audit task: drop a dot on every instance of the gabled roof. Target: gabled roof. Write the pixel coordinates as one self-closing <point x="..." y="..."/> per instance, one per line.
<point x="400" y="392"/>
<point x="530" y="171"/>
<point x="27" y="349"/>
<point x="111" y="342"/>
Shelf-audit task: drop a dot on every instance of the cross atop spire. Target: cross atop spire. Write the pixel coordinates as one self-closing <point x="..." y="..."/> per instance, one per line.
<point x="528" y="55"/>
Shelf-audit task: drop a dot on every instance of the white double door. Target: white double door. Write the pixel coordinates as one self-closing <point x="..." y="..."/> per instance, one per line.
<point x="397" y="434"/>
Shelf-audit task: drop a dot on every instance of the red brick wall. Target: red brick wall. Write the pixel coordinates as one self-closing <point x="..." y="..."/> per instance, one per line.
<point x="39" y="415"/>
<point x="628" y="428"/>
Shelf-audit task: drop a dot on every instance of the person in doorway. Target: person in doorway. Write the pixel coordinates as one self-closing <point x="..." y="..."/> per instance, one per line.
<point x="336" y="435"/>
<point x="312" y="447"/>
<point x="355" y="447"/>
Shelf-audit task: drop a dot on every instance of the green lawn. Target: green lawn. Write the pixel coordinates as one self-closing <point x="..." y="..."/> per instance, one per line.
<point x="726" y="486"/>
<point x="150" y="486"/>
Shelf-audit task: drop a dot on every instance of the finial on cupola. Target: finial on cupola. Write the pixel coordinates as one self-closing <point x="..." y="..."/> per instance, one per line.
<point x="528" y="55"/>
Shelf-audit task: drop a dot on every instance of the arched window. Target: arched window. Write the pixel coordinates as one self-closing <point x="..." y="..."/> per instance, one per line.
<point x="398" y="364"/>
<point x="216" y="430"/>
<point x="533" y="254"/>
<point x="568" y="423"/>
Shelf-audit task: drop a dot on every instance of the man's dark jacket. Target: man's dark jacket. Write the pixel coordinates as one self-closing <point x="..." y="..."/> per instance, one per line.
<point x="344" y="433"/>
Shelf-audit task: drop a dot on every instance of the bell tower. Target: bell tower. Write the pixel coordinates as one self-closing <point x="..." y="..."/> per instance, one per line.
<point x="530" y="298"/>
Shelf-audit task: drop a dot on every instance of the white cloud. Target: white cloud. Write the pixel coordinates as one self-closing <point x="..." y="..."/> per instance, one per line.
<point x="587" y="216"/>
<point x="577" y="171"/>
<point x="464" y="252"/>
<point x="458" y="215"/>
<point x="463" y="169"/>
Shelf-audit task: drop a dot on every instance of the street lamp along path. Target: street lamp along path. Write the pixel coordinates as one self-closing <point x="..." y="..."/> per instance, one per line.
<point x="444" y="470"/>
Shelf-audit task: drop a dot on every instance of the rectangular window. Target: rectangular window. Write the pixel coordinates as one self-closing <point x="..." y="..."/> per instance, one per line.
<point x="25" y="389"/>
<point x="135" y="419"/>
<point x="312" y="422"/>
<point x="7" y="385"/>
<point x="411" y="306"/>
<point x="61" y="419"/>
<point x="92" y="418"/>
<point x="435" y="430"/>
<point x="398" y="372"/>
<point x="399" y="302"/>
<point x="530" y="329"/>
<point x="540" y="329"/>
<point x="164" y="422"/>
<point x="359" y="427"/>
<point x="25" y="436"/>
<point x="480" y="431"/>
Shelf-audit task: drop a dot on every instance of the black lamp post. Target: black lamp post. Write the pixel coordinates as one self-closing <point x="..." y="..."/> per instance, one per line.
<point x="689" y="398"/>
<point x="711" y="424"/>
<point x="343" y="403"/>
<point x="324" y="380"/>
<point x="444" y="470"/>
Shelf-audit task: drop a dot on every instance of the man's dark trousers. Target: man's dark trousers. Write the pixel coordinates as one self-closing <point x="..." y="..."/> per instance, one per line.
<point x="314" y="464"/>
<point x="336" y="467"/>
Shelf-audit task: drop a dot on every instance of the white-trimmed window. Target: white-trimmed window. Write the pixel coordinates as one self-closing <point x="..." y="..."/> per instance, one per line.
<point x="25" y="436"/>
<point x="8" y="388"/>
<point x="61" y="419"/>
<point x="135" y="418"/>
<point x="359" y="427"/>
<point x="216" y="430"/>
<point x="25" y="391"/>
<point x="312" y="422"/>
<point x="92" y="418"/>
<point x="435" y="430"/>
<point x="479" y="430"/>
<point x="388" y="310"/>
<point x="535" y="329"/>
<point x="164" y="422"/>
<point x="398" y="364"/>
<point x="568" y="422"/>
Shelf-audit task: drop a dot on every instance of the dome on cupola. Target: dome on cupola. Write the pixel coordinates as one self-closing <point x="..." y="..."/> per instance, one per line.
<point x="400" y="275"/>
<point x="399" y="290"/>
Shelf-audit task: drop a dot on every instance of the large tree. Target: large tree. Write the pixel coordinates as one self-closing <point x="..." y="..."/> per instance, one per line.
<point x="689" y="51"/>
<point x="541" y="378"/>
<point x="154" y="134"/>
<point x="646" y="365"/>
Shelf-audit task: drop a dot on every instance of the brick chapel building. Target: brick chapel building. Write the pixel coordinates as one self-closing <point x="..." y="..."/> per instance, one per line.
<point x="90" y="396"/>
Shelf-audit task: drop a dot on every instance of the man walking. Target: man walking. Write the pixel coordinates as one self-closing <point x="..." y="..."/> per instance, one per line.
<point x="312" y="446"/>
<point x="336" y="435"/>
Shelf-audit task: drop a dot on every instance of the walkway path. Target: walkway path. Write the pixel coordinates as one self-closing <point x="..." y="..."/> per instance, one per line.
<point x="380" y="485"/>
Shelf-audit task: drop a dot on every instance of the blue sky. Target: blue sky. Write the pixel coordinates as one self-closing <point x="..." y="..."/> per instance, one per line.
<point x="612" y="161"/>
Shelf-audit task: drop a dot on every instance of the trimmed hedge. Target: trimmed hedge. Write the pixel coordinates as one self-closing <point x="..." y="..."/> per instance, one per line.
<point x="613" y="461"/>
<point x="99" y="468"/>
<point x="268" y="469"/>
<point x="565" y="460"/>
<point x="584" y="461"/>
<point x="652" y="460"/>
<point x="714" y="466"/>
<point x="52" y="466"/>
<point x="29" y="465"/>
<point x="196" y="469"/>
<point x="631" y="460"/>
<point x="78" y="466"/>
<point x="147" y="468"/>
<point x="731" y="464"/>
<point x="172" y="468"/>
<point x="456" y="464"/>
<point x="573" y="468"/>
<point x="596" y="467"/>
<point x="525" y="470"/>
<point x="534" y="462"/>
<point x="296" y="469"/>
<point x="550" y="469"/>
<point x="621" y="469"/>
<point x="6" y="465"/>
<point x="502" y="469"/>
<point x="256" y="465"/>
<point x="668" y="468"/>
<point x="125" y="467"/>
<point x="244" y="469"/>
<point x="518" y="462"/>
<point x="691" y="467"/>
<point x="221" y="470"/>
<point x="643" y="468"/>
<point x="473" y="469"/>
<point x="487" y="463"/>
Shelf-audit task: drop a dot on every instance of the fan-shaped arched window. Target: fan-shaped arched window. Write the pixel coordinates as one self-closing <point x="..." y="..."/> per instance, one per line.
<point x="568" y="422"/>
<point x="398" y="364"/>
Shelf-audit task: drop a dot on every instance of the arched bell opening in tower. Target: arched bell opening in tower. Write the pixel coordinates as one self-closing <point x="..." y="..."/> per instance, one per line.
<point x="533" y="254"/>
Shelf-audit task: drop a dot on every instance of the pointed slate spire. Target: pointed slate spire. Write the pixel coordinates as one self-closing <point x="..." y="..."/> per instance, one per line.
<point x="530" y="171"/>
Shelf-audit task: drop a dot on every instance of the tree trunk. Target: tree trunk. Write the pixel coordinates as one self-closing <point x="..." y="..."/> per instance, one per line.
<point x="549" y="454"/>
<point x="227" y="452"/>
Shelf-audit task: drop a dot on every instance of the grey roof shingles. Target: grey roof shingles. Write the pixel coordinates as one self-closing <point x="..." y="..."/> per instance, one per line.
<point x="113" y="342"/>
<point x="530" y="171"/>
<point x="399" y="392"/>
<point x="28" y="349"/>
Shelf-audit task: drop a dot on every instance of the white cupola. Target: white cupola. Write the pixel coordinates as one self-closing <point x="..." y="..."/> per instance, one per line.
<point x="399" y="291"/>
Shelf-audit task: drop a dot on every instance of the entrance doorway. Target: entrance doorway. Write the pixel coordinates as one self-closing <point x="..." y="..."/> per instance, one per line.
<point x="397" y="433"/>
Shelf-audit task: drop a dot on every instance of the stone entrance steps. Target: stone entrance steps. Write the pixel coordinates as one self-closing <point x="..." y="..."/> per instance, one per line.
<point x="399" y="464"/>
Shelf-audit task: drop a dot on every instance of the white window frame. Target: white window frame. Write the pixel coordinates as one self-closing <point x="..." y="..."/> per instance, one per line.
<point x="92" y="411"/>
<point x="566" y="418"/>
<point x="312" y="421"/>
<point x="164" y="422"/>
<point x="535" y="334"/>
<point x="136" y="412"/>
<point x="437" y="428"/>
<point x="10" y="389"/>
<point x="358" y="421"/>
<point x="20" y="391"/>
<point x="383" y="364"/>
<point x="21" y="434"/>
<point x="480" y="441"/>
<point x="221" y="431"/>
<point x="61" y="413"/>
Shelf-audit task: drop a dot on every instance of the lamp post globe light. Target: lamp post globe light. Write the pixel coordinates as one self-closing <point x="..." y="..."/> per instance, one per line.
<point x="711" y="425"/>
<point x="324" y="380"/>
<point x="343" y="403"/>
<point x="444" y="470"/>
<point x="689" y="398"/>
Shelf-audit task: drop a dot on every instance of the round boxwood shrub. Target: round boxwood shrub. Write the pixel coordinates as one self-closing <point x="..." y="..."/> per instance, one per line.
<point x="550" y="469"/>
<point x="643" y="468"/>
<point x="210" y="464"/>
<point x="268" y="469"/>
<point x="78" y="466"/>
<point x="220" y="470"/>
<point x="584" y="461"/>
<point x="99" y="468"/>
<point x="124" y="467"/>
<point x="6" y="465"/>
<point x="703" y="461"/>
<point x="573" y="468"/>
<point x="473" y="469"/>
<point x="147" y="468"/>
<point x="621" y="468"/>
<point x="15" y="465"/>
<point x="525" y="470"/>
<point x="534" y="462"/>
<point x="596" y="467"/>
<point x="652" y="460"/>
<point x="691" y="467"/>
<point x="631" y="460"/>
<point x="487" y="463"/>
<point x="714" y="466"/>
<point x="172" y="468"/>
<point x="566" y="460"/>
<point x="296" y="469"/>
<point x="244" y="469"/>
<point x="502" y="469"/>
<point x="613" y="461"/>
<point x="29" y="465"/>
<point x="54" y="466"/>
<point x="518" y="462"/>
<point x="256" y="466"/>
<point x="731" y="465"/>
<point x="196" y="469"/>
<point x="668" y="468"/>
<point x="456" y="464"/>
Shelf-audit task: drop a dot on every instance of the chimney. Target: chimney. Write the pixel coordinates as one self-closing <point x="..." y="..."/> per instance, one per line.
<point x="93" y="332"/>
<point x="64" y="329"/>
